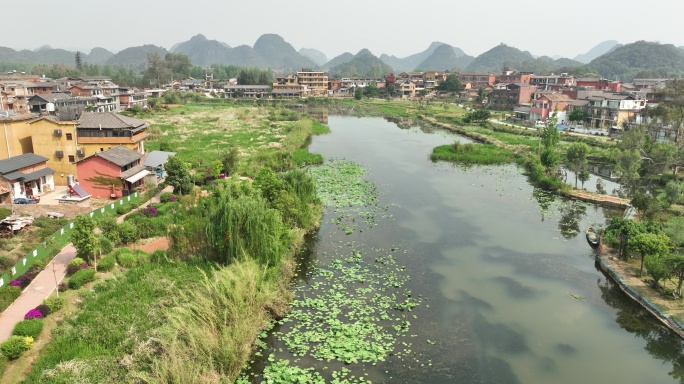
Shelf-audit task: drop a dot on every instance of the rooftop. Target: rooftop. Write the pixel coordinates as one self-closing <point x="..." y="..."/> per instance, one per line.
<point x="119" y="155"/>
<point x="109" y="120"/>
<point x="17" y="162"/>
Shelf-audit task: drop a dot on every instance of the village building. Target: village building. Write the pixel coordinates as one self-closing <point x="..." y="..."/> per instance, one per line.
<point x="113" y="173"/>
<point x="25" y="176"/>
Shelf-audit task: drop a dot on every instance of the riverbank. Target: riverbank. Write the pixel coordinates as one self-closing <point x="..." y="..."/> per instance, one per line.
<point x="669" y="312"/>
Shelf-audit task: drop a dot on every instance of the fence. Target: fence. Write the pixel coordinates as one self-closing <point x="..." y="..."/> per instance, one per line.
<point x="59" y="239"/>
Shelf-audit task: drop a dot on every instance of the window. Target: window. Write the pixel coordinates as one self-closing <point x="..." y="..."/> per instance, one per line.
<point x="68" y="136"/>
<point x="71" y="158"/>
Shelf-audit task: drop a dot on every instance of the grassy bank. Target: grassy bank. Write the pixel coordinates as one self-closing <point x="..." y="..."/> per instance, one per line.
<point x="194" y="314"/>
<point x="471" y="154"/>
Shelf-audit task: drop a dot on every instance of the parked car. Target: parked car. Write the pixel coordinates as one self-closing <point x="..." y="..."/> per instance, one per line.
<point x="23" y="200"/>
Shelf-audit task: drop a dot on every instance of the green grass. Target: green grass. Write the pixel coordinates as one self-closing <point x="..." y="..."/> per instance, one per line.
<point x="485" y="154"/>
<point x="117" y="319"/>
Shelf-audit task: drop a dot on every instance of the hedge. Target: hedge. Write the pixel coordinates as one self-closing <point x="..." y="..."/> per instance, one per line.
<point x="28" y="328"/>
<point x="81" y="277"/>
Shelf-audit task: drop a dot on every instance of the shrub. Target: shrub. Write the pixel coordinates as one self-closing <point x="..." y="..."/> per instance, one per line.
<point x="3" y="364"/>
<point x="173" y="199"/>
<point x="150" y="211"/>
<point x="33" y="314"/>
<point x="44" y="309"/>
<point x="124" y="209"/>
<point x="106" y="263"/>
<point x="81" y="277"/>
<point x="63" y="286"/>
<point x="28" y="328"/>
<point x="54" y="303"/>
<point x="14" y="347"/>
<point x="165" y="197"/>
<point x="28" y="276"/>
<point x="15" y="283"/>
<point x="158" y="256"/>
<point x="128" y="233"/>
<point x="74" y="265"/>
<point x="6" y="261"/>
<point x="8" y="295"/>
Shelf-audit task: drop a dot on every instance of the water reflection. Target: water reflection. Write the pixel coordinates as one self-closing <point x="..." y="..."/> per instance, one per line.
<point x="661" y="343"/>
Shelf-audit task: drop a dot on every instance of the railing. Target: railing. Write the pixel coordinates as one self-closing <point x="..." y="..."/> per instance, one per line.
<point x="61" y="238"/>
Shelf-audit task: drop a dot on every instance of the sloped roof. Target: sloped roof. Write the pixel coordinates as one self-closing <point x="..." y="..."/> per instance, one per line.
<point x="109" y="120"/>
<point x="157" y="158"/>
<point x="119" y="155"/>
<point x="558" y="97"/>
<point x="132" y="171"/>
<point x="17" y="162"/>
<point x="51" y="97"/>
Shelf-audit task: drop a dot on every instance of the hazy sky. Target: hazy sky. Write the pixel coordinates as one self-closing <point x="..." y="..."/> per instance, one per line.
<point x="398" y="28"/>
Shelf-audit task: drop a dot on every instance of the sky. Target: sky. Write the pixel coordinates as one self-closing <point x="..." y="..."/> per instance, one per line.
<point x="400" y="27"/>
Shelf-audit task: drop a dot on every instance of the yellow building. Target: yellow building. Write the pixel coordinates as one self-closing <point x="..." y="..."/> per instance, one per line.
<point x="315" y="81"/>
<point x="16" y="135"/>
<point x="98" y="132"/>
<point x="57" y="140"/>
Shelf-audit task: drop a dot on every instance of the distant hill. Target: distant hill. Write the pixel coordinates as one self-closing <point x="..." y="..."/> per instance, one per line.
<point x="280" y="54"/>
<point x="640" y="59"/>
<point x="43" y="55"/>
<point x="98" y="56"/>
<point x="499" y="57"/>
<point x="445" y="58"/>
<point x="364" y="63"/>
<point x="246" y="56"/>
<point x="598" y="50"/>
<point x="202" y="51"/>
<point x="340" y="59"/>
<point x="545" y="65"/>
<point x="414" y="61"/>
<point x="314" y="55"/>
<point x="135" y="57"/>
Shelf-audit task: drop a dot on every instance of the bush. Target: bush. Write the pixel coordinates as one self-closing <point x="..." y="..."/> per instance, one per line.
<point x="158" y="256"/>
<point x="28" y="276"/>
<point x="165" y="197"/>
<point x="125" y="257"/>
<point x="3" y="364"/>
<point x="8" y="295"/>
<point x="33" y="314"/>
<point x="6" y="261"/>
<point x="54" y="303"/>
<point x="124" y="209"/>
<point x="106" y="245"/>
<point x="74" y="265"/>
<point x="128" y="233"/>
<point x="14" y="347"/>
<point x="28" y="328"/>
<point x="106" y="263"/>
<point x="81" y="277"/>
<point x="44" y="309"/>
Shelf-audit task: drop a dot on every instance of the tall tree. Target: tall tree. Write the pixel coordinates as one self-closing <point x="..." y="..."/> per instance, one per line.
<point x="577" y="159"/>
<point x="82" y="237"/>
<point x="79" y="63"/>
<point x="451" y="84"/>
<point x="549" y="140"/>
<point x="178" y="175"/>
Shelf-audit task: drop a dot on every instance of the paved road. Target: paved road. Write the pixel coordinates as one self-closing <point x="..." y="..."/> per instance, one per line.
<point x="46" y="281"/>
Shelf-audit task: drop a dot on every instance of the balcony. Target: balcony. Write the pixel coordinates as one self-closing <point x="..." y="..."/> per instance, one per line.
<point x="113" y="140"/>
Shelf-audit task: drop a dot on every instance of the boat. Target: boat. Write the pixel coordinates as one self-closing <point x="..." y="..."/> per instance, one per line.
<point x="592" y="237"/>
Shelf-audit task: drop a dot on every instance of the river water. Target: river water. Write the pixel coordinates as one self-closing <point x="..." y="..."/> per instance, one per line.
<point x="508" y="285"/>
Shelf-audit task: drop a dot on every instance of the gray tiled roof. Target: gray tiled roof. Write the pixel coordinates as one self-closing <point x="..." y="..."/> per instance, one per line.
<point x="51" y="97"/>
<point x="132" y="171"/>
<point x="17" y="162"/>
<point x="29" y="176"/>
<point x="157" y="158"/>
<point x="119" y="155"/>
<point x="109" y="120"/>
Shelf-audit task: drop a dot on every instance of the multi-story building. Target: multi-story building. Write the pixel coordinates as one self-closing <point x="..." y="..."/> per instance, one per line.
<point x="103" y="89"/>
<point x="544" y="106"/>
<point x="315" y="81"/>
<point x="476" y="80"/>
<point x="14" y="96"/>
<point x="510" y="96"/>
<point x="16" y="134"/>
<point x="553" y="82"/>
<point x="514" y="77"/>
<point x="610" y="110"/>
<point x="130" y="97"/>
<point x="247" y="91"/>
<point x="57" y="141"/>
<point x="288" y="87"/>
<point x="599" y="83"/>
<point x="97" y="132"/>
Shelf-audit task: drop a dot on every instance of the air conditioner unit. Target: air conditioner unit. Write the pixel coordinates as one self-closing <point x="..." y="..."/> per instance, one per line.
<point x="80" y="153"/>
<point x="58" y="132"/>
<point x="59" y="154"/>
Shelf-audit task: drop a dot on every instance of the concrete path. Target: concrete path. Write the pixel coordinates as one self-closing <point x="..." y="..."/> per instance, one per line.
<point x="44" y="284"/>
<point x="40" y="288"/>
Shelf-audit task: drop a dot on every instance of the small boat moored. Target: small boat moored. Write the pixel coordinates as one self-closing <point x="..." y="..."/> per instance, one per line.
<point x="592" y="237"/>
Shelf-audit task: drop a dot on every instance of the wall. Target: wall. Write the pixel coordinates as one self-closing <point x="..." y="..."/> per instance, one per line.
<point x="17" y="135"/>
<point x="45" y="143"/>
<point x="95" y="167"/>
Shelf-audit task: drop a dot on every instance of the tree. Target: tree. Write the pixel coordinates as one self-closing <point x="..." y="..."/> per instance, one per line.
<point x="549" y="139"/>
<point x="673" y="191"/>
<point x="577" y="115"/>
<point x="230" y="159"/>
<point x="577" y="159"/>
<point x="584" y="177"/>
<point x="451" y="84"/>
<point x="658" y="269"/>
<point x="358" y="93"/>
<point x="480" y="95"/>
<point x="79" y="63"/>
<point x="648" y="244"/>
<point x="675" y="262"/>
<point x="82" y="237"/>
<point x="178" y="175"/>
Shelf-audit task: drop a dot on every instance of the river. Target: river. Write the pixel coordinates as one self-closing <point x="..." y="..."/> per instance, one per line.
<point x="508" y="286"/>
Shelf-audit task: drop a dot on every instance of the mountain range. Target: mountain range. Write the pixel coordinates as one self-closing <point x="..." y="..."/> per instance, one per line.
<point x="608" y="59"/>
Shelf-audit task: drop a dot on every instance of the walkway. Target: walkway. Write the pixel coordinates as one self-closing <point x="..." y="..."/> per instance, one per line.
<point x="605" y="200"/>
<point x="44" y="284"/>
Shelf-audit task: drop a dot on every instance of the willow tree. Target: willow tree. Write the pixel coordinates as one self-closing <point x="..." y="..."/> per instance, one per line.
<point x="246" y="228"/>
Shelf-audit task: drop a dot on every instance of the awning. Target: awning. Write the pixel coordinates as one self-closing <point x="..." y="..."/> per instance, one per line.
<point x="37" y="174"/>
<point x="138" y="176"/>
